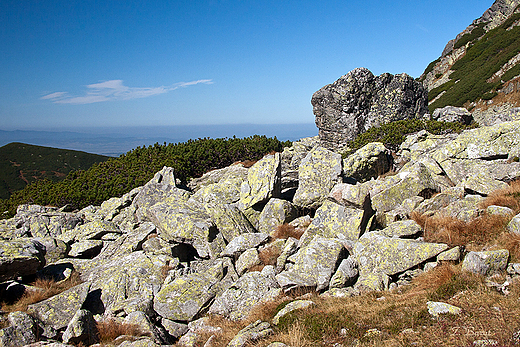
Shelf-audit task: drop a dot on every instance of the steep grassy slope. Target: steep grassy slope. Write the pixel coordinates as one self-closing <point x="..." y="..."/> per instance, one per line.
<point x="22" y="164"/>
<point x="479" y="64"/>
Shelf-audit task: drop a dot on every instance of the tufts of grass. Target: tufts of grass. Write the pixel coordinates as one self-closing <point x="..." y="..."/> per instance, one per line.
<point x="43" y="288"/>
<point x="110" y="329"/>
<point x="286" y="230"/>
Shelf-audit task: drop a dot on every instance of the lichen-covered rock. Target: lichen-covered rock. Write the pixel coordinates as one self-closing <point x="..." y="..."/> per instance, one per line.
<point x="129" y="242"/>
<point x="289" y="248"/>
<point x="499" y="210"/>
<point x="376" y="252"/>
<point x="238" y="300"/>
<point x="313" y="264"/>
<point x="189" y="223"/>
<point x="42" y="221"/>
<point x="370" y="161"/>
<point x="119" y="284"/>
<point x="159" y="188"/>
<point x="405" y="228"/>
<point x="247" y="260"/>
<point x="372" y="281"/>
<point x="486" y="263"/>
<point x="351" y="195"/>
<point x="438" y="308"/>
<point x="94" y="230"/>
<point x="219" y="186"/>
<point x="182" y="299"/>
<point x="253" y="332"/>
<point x="245" y="241"/>
<point x="441" y="200"/>
<point x="263" y="182"/>
<point x="145" y="325"/>
<point x="85" y="249"/>
<point x="81" y="329"/>
<point x="346" y="274"/>
<point x="406" y="184"/>
<point x="292" y="306"/>
<point x="481" y="183"/>
<point x="359" y="101"/>
<point x="276" y="212"/>
<point x="173" y="328"/>
<point x="452" y="114"/>
<point x="20" y="257"/>
<point x="319" y="172"/>
<point x="450" y="255"/>
<point x="291" y="158"/>
<point x="229" y="220"/>
<point x="498" y="141"/>
<point x="58" y="310"/>
<point x="336" y="221"/>
<point x="22" y="330"/>
<point x="514" y="225"/>
<point x="465" y="209"/>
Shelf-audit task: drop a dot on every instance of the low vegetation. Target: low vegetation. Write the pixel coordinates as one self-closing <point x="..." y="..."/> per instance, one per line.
<point x="485" y="55"/>
<point x="22" y="164"/>
<point x="110" y="329"/>
<point x="394" y="133"/>
<point x="118" y="176"/>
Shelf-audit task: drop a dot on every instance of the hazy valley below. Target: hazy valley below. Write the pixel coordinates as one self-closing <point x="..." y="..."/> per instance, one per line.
<point x="115" y="141"/>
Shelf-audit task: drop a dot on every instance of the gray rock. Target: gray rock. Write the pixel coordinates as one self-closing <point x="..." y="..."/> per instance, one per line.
<point x="245" y="241"/>
<point x="220" y="186"/>
<point x="145" y="325"/>
<point x="129" y="242"/>
<point x="452" y="114"/>
<point x="450" y="255"/>
<point x="41" y="221"/>
<point x="229" y="220"/>
<point x="81" y="329"/>
<point x="351" y="195"/>
<point x="499" y="210"/>
<point x="247" y="260"/>
<point x="263" y="182"/>
<point x="359" y="101"/>
<point x="336" y="221"/>
<point x="346" y="274"/>
<point x="438" y="308"/>
<point x="318" y="173"/>
<point x="20" y="257"/>
<point x="376" y="252"/>
<point x="313" y="265"/>
<point x="372" y="281"/>
<point x="370" y="161"/>
<point x="182" y="299"/>
<point x="238" y="300"/>
<point x="94" y="230"/>
<point x="514" y="225"/>
<point x="173" y="328"/>
<point x="253" y="332"/>
<point x="487" y="262"/>
<point x="58" y="310"/>
<point x="22" y="331"/>
<point x="292" y="306"/>
<point x="276" y="212"/>
<point x="86" y="249"/>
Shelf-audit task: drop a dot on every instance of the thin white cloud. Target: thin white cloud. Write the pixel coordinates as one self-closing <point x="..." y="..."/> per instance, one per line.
<point x="115" y="90"/>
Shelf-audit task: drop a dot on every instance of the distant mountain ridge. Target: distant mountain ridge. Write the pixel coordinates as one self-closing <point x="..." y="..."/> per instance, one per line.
<point x="22" y="164"/>
<point x="480" y="68"/>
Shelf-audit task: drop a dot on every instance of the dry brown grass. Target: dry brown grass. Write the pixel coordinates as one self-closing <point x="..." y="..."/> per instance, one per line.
<point x="269" y="254"/>
<point x="482" y="231"/>
<point x="508" y="197"/>
<point x="286" y="230"/>
<point x="165" y="270"/>
<point x="44" y="288"/>
<point x="109" y="329"/>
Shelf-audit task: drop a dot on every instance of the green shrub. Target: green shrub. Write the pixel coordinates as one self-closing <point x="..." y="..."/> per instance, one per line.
<point x="469" y="37"/>
<point x="118" y="176"/>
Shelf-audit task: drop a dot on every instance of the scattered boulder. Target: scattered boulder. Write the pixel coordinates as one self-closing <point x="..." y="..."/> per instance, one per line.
<point x="292" y="306"/>
<point x="486" y="263"/>
<point x="263" y="182"/>
<point x="359" y="101"/>
<point x="452" y="114"/>
<point x="81" y="329"/>
<point x="370" y="161"/>
<point x="20" y="257"/>
<point x="438" y="308"/>
<point x="254" y="331"/>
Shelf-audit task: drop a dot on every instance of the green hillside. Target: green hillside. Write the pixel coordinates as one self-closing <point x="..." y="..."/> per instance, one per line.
<point x="22" y="164"/>
<point x="486" y="53"/>
<point x="117" y="176"/>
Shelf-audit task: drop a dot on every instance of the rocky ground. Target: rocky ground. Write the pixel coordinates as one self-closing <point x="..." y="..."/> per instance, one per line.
<point x="164" y="256"/>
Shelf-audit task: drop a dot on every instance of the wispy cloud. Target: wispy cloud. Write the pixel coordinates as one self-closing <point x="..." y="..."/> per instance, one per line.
<point x="114" y="90"/>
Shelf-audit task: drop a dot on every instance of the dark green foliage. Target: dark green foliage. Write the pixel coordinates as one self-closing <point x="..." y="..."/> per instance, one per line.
<point x="118" y="176"/>
<point x="393" y="134"/>
<point x="485" y="57"/>
<point x="469" y="37"/>
<point x="511" y="73"/>
<point x="22" y="164"/>
<point x="489" y="95"/>
<point x="438" y="75"/>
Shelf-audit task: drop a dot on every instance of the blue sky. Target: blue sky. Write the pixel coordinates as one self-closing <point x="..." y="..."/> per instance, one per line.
<point x="72" y="64"/>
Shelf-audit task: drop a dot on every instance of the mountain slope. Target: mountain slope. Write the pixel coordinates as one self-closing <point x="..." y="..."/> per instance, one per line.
<point x="22" y="164"/>
<point x="480" y="69"/>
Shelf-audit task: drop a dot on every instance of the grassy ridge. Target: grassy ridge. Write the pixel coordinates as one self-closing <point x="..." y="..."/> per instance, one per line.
<point x="22" y="164"/>
<point x="117" y="176"/>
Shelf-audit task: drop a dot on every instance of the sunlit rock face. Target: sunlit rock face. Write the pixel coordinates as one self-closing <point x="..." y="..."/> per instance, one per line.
<point x="359" y="101"/>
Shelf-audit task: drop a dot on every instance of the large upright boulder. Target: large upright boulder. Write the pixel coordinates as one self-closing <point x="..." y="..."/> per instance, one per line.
<point x="359" y="101"/>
